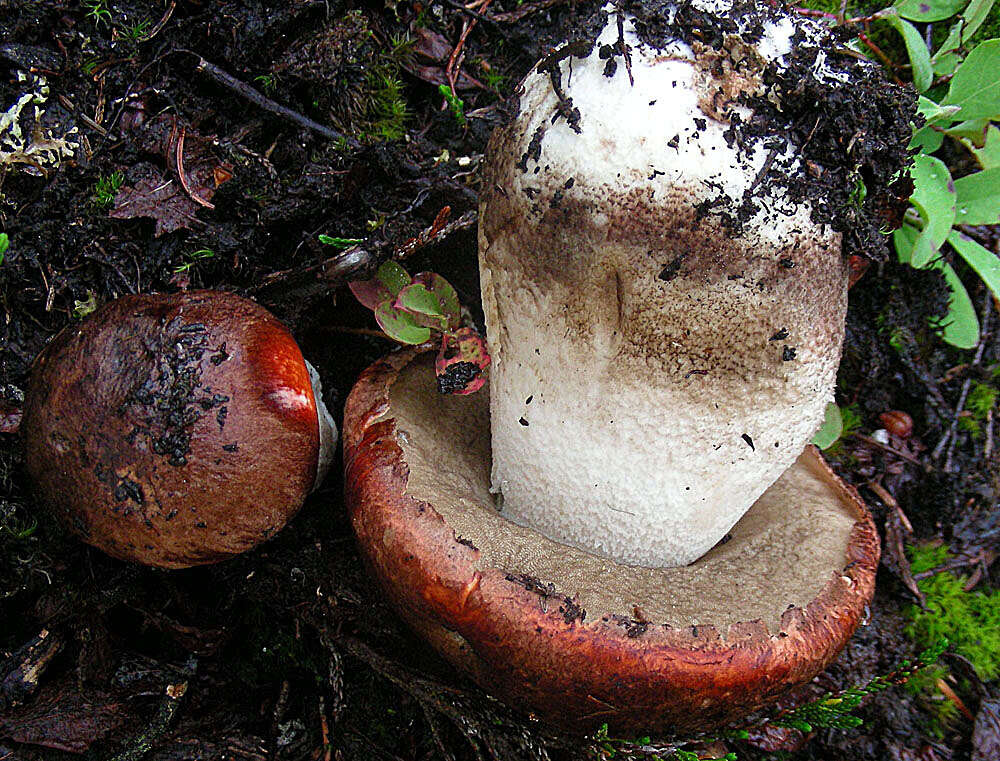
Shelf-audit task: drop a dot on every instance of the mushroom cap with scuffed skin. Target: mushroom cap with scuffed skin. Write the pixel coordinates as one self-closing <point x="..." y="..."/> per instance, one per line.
<point x="577" y="639"/>
<point x="174" y="430"/>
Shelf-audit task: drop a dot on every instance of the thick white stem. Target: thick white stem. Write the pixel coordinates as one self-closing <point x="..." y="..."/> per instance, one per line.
<point x="654" y="371"/>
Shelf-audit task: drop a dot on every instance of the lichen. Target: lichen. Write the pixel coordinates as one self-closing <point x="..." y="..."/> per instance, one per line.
<point x="23" y="138"/>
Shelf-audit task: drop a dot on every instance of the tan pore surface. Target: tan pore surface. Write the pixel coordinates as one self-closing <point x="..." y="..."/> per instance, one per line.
<point x="782" y="552"/>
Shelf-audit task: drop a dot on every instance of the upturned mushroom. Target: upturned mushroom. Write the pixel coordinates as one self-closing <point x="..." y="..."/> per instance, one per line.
<point x="175" y="430"/>
<point x="650" y="542"/>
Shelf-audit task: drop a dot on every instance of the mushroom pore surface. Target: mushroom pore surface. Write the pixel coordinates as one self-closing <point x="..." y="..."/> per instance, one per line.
<point x="773" y="558"/>
<point x="578" y="639"/>
<point x="656" y="364"/>
<point x="175" y="430"/>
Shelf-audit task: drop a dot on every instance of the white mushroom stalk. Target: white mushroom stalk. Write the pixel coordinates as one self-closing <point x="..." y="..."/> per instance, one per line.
<point x="665" y="319"/>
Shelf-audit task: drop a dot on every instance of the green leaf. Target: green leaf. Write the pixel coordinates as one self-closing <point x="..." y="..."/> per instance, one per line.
<point x="973" y="129"/>
<point x="916" y="49"/>
<point x="949" y="56"/>
<point x="423" y="305"/>
<point x="929" y="10"/>
<point x="976" y="86"/>
<point x="983" y="261"/>
<point x="833" y="426"/>
<point x="370" y="293"/>
<point x="393" y="276"/>
<point x="978" y="198"/>
<point x="904" y="239"/>
<point x="4" y="245"/>
<point x="960" y="327"/>
<point x="933" y="113"/>
<point x="974" y="15"/>
<point x="447" y="296"/>
<point x="399" y="325"/>
<point x="934" y="198"/>
<point x="927" y="139"/>
<point x="988" y="155"/>
<point x="339" y="243"/>
<point x="416" y="298"/>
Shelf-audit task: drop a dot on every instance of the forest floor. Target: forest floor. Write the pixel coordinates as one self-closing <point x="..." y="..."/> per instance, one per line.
<point x="290" y="651"/>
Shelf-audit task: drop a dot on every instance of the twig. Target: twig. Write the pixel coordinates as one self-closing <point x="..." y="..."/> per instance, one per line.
<point x="179" y="157"/>
<point x="324" y="730"/>
<point x="454" y="66"/>
<point x="246" y="91"/>
<point x="963" y="561"/>
<point x="880" y="55"/>
<point x="161" y="23"/>
<point x="432" y="723"/>
<point x="526" y="10"/>
<point x="140" y="745"/>
<point x="354" y="331"/>
<point x="898" y="452"/>
<point x="474" y="14"/>
<point x="949" y="437"/>
<point x="988" y="447"/>
<point x="890" y="501"/>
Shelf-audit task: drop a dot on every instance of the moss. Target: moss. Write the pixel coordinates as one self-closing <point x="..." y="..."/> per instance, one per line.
<point x="982" y="398"/>
<point x="388" y="111"/>
<point x="969" y="620"/>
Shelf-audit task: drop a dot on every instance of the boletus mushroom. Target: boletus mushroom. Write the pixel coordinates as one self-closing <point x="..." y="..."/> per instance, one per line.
<point x="634" y="529"/>
<point x="175" y="430"/>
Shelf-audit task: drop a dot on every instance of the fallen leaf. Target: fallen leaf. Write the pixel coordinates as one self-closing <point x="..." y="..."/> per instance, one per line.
<point x="894" y="554"/>
<point x="63" y="719"/>
<point x="158" y="197"/>
<point x="165" y="195"/>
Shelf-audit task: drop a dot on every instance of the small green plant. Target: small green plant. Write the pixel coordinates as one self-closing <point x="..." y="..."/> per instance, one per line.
<point x="389" y="110"/>
<point x="16" y="523"/>
<point x="607" y="747"/>
<point x="969" y="620"/>
<point x="106" y="188"/>
<point x="193" y="258"/>
<point x="838" y="423"/>
<point x="979" y="403"/>
<point x="834" y="709"/>
<point x="4" y="245"/>
<point x="82" y="308"/>
<point x="959" y="99"/>
<point x="456" y="104"/>
<point x="492" y="78"/>
<point x="413" y="309"/>
<point x="268" y="83"/>
<point x="97" y="11"/>
<point x="136" y="31"/>
<point x="340" y="244"/>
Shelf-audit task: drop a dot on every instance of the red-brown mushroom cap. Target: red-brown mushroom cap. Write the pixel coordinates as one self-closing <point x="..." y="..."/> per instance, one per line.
<point x="575" y="638"/>
<point x="173" y="430"/>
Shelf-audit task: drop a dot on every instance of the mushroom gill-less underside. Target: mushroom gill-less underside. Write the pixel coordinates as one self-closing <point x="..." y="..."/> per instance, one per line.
<point x="578" y="639"/>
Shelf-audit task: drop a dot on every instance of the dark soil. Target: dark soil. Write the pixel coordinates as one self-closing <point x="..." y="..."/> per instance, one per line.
<point x="289" y="651"/>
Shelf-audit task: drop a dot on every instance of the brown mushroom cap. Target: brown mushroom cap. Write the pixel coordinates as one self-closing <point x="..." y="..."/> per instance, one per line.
<point x="576" y="638"/>
<point x="173" y="430"/>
